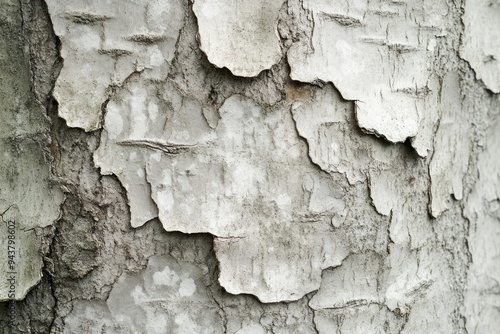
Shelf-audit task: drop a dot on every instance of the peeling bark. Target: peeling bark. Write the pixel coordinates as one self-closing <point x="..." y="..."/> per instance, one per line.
<point x="479" y="47"/>
<point x="252" y="167"/>
<point x="240" y="35"/>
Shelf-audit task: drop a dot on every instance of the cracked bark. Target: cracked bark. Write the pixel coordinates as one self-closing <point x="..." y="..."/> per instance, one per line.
<point x="295" y="218"/>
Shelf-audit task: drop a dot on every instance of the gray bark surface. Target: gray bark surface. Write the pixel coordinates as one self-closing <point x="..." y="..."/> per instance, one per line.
<point x="250" y="166"/>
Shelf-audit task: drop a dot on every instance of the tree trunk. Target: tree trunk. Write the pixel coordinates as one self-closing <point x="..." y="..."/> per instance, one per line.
<point x="287" y="166"/>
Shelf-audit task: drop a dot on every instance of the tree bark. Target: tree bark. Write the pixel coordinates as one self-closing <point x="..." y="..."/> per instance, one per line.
<point x="290" y="166"/>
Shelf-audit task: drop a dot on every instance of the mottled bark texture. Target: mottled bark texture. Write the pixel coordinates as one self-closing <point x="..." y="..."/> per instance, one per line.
<point x="230" y="166"/>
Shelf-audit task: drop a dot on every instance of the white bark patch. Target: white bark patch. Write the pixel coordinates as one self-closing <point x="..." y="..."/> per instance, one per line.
<point x="146" y="132"/>
<point x="240" y="35"/>
<point x="103" y="43"/>
<point x="383" y="191"/>
<point x="187" y="287"/>
<point x="481" y="41"/>
<point x="368" y="285"/>
<point x="228" y="181"/>
<point x="354" y="283"/>
<point x="419" y="281"/>
<point x="234" y="188"/>
<point x="324" y="123"/>
<point x="377" y="54"/>
<point x="165" y="277"/>
<point x="482" y="296"/>
<point x="451" y="149"/>
<point x="150" y="302"/>
<point x="279" y="262"/>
